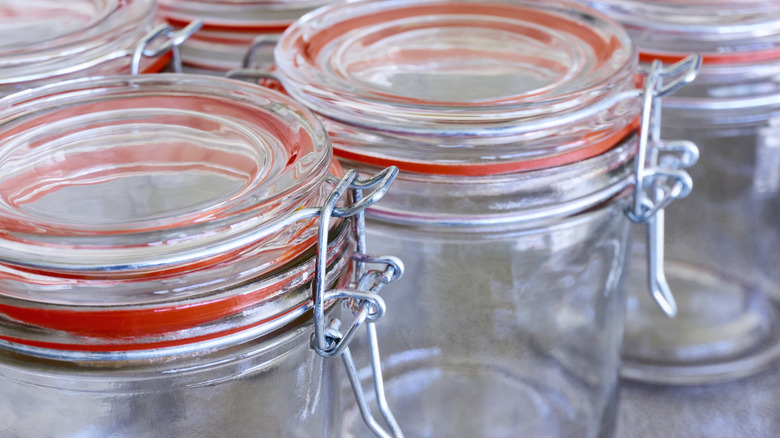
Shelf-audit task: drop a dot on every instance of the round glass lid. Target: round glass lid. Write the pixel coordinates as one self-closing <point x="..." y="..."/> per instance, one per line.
<point x="129" y="172"/>
<point x="710" y="27"/>
<point x="30" y="23"/>
<point x="41" y="31"/>
<point x="451" y="62"/>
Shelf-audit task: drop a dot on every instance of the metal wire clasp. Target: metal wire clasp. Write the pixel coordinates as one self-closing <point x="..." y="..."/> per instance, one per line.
<point x="252" y="71"/>
<point x="368" y="307"/>
<point x="167" y="39"/>
<point x="659" y="178"/>
<point x="260" y="42"/>
<point x="248" y="70"/>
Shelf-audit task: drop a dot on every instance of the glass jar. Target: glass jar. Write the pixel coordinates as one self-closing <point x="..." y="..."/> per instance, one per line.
<point x="169" y="245"/>
<point x="49" y="40"/>
<point x="230" y="27"/>
<point x="723" y="263"/>
<point x="514" y="124"/>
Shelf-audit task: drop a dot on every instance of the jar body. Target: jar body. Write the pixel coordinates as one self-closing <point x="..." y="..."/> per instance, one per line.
<point x="503" y="331"/>
<point x="264" y="388"/>
<point x="722" y="262"/>
<point x="506" y="334"/>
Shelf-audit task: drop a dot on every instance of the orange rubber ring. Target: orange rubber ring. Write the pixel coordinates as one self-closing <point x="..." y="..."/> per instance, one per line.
<point x="754" y="56"/>
<point x="593" y="149"/>
<point x="159" y="64"/>
<point x="279" y="28"/>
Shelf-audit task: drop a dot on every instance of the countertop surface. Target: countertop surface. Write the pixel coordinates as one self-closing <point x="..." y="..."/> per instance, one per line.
<point x="745" y="408"/>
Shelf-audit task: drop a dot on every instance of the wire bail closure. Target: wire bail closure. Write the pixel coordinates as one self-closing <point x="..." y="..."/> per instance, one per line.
<point x="367" y="306"/>
<point x="260" y="42"/>
<point x="170" y="40"/>
<point x="251" y="71"/>
<point x="659" y="175"/>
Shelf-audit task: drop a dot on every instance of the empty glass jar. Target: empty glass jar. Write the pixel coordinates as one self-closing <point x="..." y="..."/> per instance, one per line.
<point x="514" y="124"/>
<point x="723" y="264"/>
<point x="169" y="245"/>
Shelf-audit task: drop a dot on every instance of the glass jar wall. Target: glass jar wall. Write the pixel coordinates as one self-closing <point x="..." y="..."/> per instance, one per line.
<point x="514" y="126"/>
<point x="504" y="330"/>
<point x="158" y="251"/>
<point x="722" y="264"/>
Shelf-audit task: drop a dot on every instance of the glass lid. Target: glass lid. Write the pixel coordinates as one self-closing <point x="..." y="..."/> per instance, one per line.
<point x="141" y="173"/>
<point x="444" y="63"/>
<point x="37" y="23"/>
<point x="47" y="38"/>
<point x="722" y="30"/>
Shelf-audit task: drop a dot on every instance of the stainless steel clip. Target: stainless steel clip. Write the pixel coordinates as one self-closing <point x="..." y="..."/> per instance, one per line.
<point x="659" y="178"/>
<point x="367" y="305"/>
<point x="169" y="40"/>
<point x="254" y="71"/>
<point x="260" y="42"/>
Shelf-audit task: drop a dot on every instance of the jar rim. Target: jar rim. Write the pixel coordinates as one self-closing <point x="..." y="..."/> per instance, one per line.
<point x="69" y="149"/>
<point x="52" y="38"/>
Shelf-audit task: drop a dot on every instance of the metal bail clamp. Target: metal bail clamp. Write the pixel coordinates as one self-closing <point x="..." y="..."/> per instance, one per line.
<point x="170" y="41"/>
<point x="260" y="42"/>
<point x="659" y="178"/>
<point x="368" y="307"/>
<point x="249" y="70"/>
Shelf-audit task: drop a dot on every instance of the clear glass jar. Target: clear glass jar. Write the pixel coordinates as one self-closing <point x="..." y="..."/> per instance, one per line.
<point x="161" y="260"/>
<point x="514" y="124"/>
<point x="232" y="26"/>
<point x="49" y="40"/>
<point x="722" y="260"/>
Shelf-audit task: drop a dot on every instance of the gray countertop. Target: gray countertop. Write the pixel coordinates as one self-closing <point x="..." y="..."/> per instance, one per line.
<point x="745" y="408"/>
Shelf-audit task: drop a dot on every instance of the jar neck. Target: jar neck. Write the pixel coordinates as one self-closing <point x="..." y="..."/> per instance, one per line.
<point x="727" y="94"/>
<point x="517" y="198"/>
<point x="211" y="308"/>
